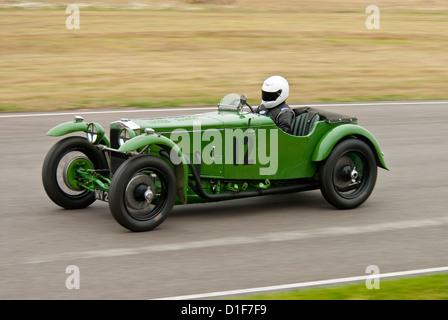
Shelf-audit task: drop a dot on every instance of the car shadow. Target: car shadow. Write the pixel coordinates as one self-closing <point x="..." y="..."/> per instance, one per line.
<point x="306" y="201"/>
<point x="98" y="217"/>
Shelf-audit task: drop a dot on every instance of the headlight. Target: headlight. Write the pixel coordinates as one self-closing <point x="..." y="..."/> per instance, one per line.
<point x="125" y="135"/>
<point x="94" y="133"/>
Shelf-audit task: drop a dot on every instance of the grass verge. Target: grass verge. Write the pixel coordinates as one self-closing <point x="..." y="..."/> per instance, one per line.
<point x="193" y="56"/>
<point x="430" y="287"/>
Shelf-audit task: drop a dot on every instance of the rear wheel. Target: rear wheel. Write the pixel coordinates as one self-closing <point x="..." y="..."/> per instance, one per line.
<point x="142" y="193"/>
<point x="59" y="172"/>
<point x="348" y="176"/>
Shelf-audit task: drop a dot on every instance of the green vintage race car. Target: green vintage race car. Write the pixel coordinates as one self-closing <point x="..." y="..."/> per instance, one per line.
<point x="148" y="165"/>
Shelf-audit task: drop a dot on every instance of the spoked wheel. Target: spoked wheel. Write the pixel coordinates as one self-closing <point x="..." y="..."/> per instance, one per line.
<point x="142" y="193"/>
<point x="59" y="172"/>
<point x="348" y="176"/>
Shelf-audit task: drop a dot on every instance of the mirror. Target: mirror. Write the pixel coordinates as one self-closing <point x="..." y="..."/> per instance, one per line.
<point x="243" y="99"/>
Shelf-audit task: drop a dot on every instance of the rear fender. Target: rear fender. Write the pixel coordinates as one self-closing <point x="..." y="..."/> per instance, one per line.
<point x="330" y="139"/>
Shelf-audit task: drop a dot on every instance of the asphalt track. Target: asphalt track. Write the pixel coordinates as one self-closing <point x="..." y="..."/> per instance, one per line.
<point x="232" y="245"/>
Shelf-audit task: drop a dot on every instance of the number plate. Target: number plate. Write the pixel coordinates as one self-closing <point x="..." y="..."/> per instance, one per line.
<point x="102" y="195"/>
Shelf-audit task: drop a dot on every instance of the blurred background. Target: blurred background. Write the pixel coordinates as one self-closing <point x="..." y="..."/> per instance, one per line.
<point x="154" y="53"/>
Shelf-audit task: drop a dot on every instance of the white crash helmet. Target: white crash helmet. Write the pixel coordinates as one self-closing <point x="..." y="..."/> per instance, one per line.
<point x="274" y="92"/>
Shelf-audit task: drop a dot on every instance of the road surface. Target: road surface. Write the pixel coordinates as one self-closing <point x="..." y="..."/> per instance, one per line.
<point x="231" y="245"/>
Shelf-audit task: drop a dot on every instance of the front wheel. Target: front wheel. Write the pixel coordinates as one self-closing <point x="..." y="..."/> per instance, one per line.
<point x="348" y="176"/>
<point x="59" y="172"/>
<point x="142" y="193"/>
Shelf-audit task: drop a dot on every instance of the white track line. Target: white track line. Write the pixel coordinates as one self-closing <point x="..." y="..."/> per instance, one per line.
<point x="294" y="235"/>
<point x="51" y="114"/>
<point x="303" y="284"/>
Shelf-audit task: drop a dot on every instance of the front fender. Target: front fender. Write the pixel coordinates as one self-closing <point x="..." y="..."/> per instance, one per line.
<point x="76" y="126"/>
<point x="180" y="162"/>
<point x="66" y="128"/>
<point x="330" y="139"/>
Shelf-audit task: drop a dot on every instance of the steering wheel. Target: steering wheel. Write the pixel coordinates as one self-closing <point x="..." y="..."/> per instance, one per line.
<point x="243" y="102"/>
<point x="250" y="107"/>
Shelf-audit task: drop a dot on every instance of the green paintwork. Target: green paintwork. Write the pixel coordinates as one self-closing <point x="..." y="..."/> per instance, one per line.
<point x="81" y="175"/>
<point x="298" y="156"/>
<point x="332" y="137"/>
<point x="181" y="169"/>
<point x="143" y="140"/>
<point x="92" y="180"/>
<point x="70" y="127"/>
<point x="73" y="174"/>
<point x="215" y="136"/>
<point x="66" y="128"/>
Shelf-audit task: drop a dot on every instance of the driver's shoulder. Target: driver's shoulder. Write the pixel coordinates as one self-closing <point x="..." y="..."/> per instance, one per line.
<point x="281" y="108"/>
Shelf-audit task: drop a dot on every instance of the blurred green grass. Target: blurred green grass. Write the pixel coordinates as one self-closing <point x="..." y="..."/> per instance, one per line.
<point x="177" y="56"/>
<point x="431" y="287"/>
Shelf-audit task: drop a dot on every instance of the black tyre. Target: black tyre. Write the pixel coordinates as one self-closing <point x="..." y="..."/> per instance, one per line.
<point x="59" y="176"/>
<point x="348" y="176"/>
<point x="142" y="193"/>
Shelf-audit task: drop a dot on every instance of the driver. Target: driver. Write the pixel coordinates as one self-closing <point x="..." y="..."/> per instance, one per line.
<point x="274" y="93"/>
